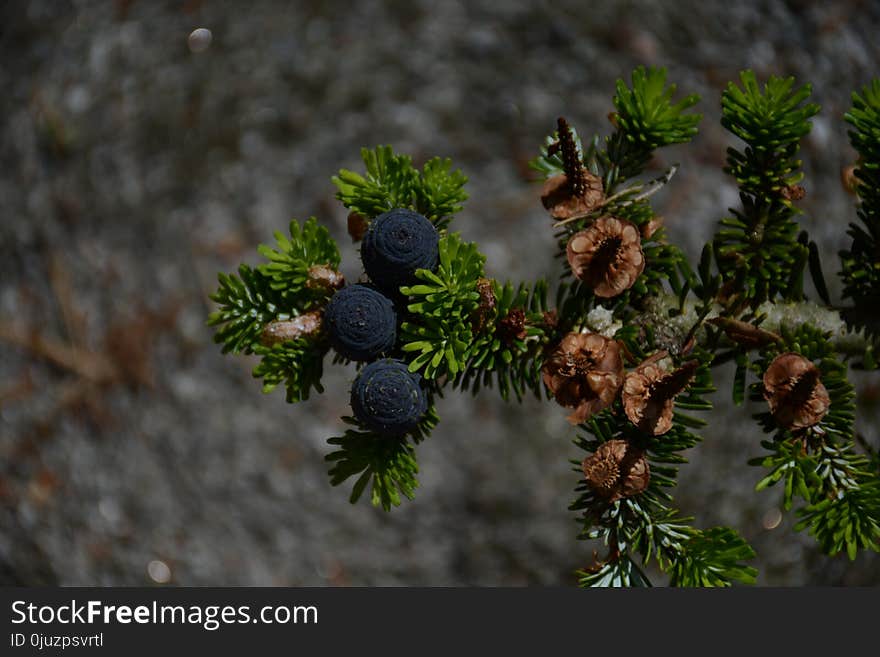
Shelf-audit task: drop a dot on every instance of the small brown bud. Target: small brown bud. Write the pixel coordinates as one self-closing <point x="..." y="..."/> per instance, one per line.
<point x="512" y="326"/>
<point x="585" y="373"/>
<point x="612" y="119"/>
<point x="324" y="278"/>
<point x="616" y="470"/>
<point x="357" y="226"/>
<point x="284" y="330"/>
<point x="794" y="392"/>
<point x="649" y="393"/>
<point x="481" y="314"/>
<point x="793" y="192"/>
<point x="745" y="334"/>
<point x="849" y="180"/>
<point x="550" y="319"/>
<point x="607" y="256"/>
<point x="651" y="227"/>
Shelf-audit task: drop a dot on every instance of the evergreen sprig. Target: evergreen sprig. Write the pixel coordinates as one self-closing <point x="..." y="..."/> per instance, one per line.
<point x="438" y="336"/>
<point x="440" y="192"/>
<point x="388" y="462"/>
<point x="771" y="121"/>
<point x="646" y="114"/>
<point x="711" y="558"/>
<point x="247" y="303"/>
<point x="758" y="250"/>
<point x="820" y="464"/>
<point x="861" y="262"/>
<point x="621" y="572"/>
<point x="289" y="264"/>
<point x="513" y="362"/>
<point x="848" y="521"/>
<point x="391" y="181"/>
<point x="299" y="364"/>
<point x="647" y="119"/>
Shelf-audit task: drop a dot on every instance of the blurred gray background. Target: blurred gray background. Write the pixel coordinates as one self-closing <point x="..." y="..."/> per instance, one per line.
<point x="136" y="163"/>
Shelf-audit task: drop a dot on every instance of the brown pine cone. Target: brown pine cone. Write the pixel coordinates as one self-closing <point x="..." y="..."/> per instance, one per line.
<point x="794" y="391"/>
<point x="616" y="470"/>
<point x="585" y="373"/>
<point x="357" y="226"/>
<point x="649" y="393"/>
<point x="560" y="199"/>
<point x="607" y="256"/>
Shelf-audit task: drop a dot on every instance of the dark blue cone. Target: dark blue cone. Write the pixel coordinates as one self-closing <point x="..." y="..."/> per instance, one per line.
<point x="397" y="243"/>
<point x="387" y="398"/>
<point x="360" y="322"/>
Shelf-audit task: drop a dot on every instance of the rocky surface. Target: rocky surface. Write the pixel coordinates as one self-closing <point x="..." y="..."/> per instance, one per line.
<point x="137" y="160"/>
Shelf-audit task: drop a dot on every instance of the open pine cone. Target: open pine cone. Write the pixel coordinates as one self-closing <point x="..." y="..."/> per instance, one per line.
<point x="794" y="391"/>
<point x="585" y="372"/>
<point x="649" y="393"/>
<point x="616" y="470"/>
<point x="607" y="256"/>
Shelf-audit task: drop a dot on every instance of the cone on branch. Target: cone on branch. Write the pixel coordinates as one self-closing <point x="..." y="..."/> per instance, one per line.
<point x="575" y="192"/>
<point x="585" y="373"/>
<point x="616" y="470"/>
<point x="794" y="392"/>
<point x="607" y="256"/>
<point x="649" y="393"/>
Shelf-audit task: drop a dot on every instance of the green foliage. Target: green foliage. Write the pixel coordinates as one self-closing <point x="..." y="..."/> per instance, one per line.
<point x="645" y="525"/>
<point x="440" y="192"/>
<point x="619" y="572"/>
<point x="389" y="462"/>
<point x="646" y="114"/>
<point x="288" y="266"/>
<point x="771" y="121"/>
<point x="647" y="119"/>
<point x="849" y="520"/>
<point x="274" y="290"/>
<point x="713" y="557"/>
<point x="438" y="335"/>
<point x="790" y="463"/>
<point x="299" y="364"/>
<point x="757" y="249"/>
<point x="247" y="304"/>
<point x="861" y="262"/>
<point x="513" y="362"/>
<point x="391" y="181"/>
